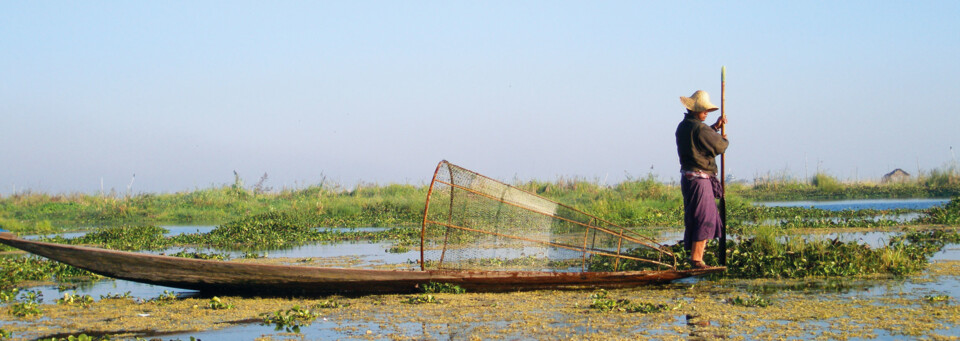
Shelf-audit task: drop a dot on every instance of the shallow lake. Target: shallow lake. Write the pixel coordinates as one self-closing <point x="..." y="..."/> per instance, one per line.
<point x="377" y="324"/>
<point x="372" y="254"/>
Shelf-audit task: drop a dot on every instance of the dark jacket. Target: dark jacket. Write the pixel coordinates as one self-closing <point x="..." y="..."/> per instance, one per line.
<point x="698" y="145"/>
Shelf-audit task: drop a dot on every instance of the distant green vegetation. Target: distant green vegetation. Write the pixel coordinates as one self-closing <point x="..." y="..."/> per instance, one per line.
<point x="634" y="202"/>
<point x="937" y="183"/>
<point x="365" y="205"/>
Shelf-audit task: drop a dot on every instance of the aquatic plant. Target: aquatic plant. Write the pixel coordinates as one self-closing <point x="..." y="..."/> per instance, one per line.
<point x="398" y="249"/>
<point x="749" y="301"/>
<point x="126" y="237"/>
<point x="279" y="229"/>
<point x="9" y="295"/>
<point x="164" y="298"/>
<point x="267" y="230"/>
<point x="936" y="237"/>
<point x="217" y="304"/>
<point x="437" y="287"/>
<point x="601" y="302"/>
<point x="948" y="214"/>
<point x="17" y="269"/>
<point x="112" y="296"/>
<point x="27" y="305"/>
<point x="756" y="258"/>
<point x="936" y="298"/>
<point x="81" y="337"/>
<point x="422" y="298"/>
<point x="25" y="309"/>
<point x="5" y="334"/>
<point x="201" y="255"/>
<point x="254" y="255"/>
<point x="291" y="319"/>
<point x="742" y="218"/>
<point x="75" y="299"/>
<point x="770" y="253"/>
<point x="330" y="304"/>
<point x="14" y="270"/>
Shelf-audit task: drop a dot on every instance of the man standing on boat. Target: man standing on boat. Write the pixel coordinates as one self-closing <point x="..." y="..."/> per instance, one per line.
<point x="698" y="146"/>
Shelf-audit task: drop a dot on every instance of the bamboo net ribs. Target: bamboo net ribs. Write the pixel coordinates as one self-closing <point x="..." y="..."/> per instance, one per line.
<point x="473" y="222"/>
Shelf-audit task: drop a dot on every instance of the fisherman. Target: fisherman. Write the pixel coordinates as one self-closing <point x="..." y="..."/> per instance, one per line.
<point x="698" y="146"/>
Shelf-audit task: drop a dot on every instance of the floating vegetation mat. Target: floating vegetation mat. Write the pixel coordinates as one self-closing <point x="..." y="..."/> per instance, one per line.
<point x="919" y="306"/>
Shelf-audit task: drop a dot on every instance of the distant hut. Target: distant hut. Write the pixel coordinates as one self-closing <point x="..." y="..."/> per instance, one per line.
<point x="897" y="175"/>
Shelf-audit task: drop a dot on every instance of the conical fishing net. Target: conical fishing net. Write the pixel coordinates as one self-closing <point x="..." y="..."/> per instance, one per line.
<point x="472" y="222"/>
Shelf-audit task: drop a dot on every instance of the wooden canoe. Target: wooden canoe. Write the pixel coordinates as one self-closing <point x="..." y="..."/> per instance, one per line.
<point x="224" y="277"/>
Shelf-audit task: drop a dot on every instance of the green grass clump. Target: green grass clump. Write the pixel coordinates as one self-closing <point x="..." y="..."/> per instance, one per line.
<point x="825" y="183"/>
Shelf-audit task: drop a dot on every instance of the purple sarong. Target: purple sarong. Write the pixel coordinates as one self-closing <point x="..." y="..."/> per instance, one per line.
<point x="700" y="215"/>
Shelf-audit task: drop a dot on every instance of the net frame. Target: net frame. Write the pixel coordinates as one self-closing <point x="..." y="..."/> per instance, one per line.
<point x="537" y="204"/>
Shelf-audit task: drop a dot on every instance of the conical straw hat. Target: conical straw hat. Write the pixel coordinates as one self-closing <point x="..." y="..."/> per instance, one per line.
<point x="698" y="102"/>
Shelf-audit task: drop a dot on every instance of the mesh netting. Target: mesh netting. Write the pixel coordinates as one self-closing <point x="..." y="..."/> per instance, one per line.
<point x="472" y="222"/>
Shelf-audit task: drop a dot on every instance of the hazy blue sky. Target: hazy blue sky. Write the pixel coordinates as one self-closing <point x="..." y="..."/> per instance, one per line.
<point x="184" y="93"/>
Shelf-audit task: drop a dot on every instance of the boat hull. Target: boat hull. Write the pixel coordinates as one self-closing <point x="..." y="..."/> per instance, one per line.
<point x="224" y="277"/>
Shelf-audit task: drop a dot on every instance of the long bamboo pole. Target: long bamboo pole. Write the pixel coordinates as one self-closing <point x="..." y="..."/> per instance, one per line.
<point x="722" y="250"/>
